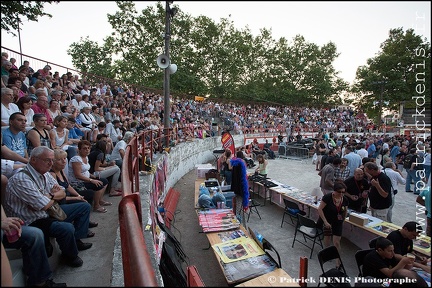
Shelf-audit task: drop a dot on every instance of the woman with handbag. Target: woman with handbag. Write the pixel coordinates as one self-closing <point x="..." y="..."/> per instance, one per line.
<point x="72" y="196"/>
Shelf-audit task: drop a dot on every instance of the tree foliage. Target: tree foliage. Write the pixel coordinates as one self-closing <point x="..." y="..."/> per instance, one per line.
<point x="13" y="12"/>
<point x="392" y="77"/>
<point x="213" y="58"/>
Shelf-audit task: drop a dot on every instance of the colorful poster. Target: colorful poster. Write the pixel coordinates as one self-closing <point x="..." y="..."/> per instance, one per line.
<point x="230" y="235"/>
<point x="384" y="228"/>
<point x="422" y="244"/>
<point x="237" y="249"/>
<point x="228" y="142"/>
<point x="214" y="220"/>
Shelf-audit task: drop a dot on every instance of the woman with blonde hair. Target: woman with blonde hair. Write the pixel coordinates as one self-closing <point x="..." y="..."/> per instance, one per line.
<point x="72" y="196"/>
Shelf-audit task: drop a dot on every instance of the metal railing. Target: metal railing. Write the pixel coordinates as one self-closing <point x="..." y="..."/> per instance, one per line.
<point x="293" y="152"/>
<point x="137" y="265"/>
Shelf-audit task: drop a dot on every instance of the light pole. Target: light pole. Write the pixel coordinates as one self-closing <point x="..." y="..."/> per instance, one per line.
<point x="169" y="12"/>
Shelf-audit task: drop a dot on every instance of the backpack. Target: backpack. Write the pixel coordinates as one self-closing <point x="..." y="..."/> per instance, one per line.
<point x="407" y="161"/>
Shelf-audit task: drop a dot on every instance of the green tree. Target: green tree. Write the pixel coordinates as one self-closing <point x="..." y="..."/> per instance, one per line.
<point x="391" y="77"/>
<point x="213" y="58"/>
<point x="12" y="13"/>
<point x="92" y="59"/>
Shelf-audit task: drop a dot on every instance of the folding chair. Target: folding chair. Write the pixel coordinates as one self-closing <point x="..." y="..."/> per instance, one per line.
<point x="359" y="257"/>
<point x="268" y="246"/>
<point x="253" y="204"/>
<point x="339" y="274"/>
<point x="309" y="229"/>
<point x="291" y="209"/>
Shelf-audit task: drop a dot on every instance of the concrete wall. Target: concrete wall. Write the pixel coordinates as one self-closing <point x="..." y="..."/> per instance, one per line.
<point x="183" y="157"/>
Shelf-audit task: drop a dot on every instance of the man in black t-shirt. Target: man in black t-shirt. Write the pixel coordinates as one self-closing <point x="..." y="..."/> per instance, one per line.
<point x="357" y="191"/>
<point x="402" y="240"/>
<point x="380" y="191"/>
<point x="381" y="263"/>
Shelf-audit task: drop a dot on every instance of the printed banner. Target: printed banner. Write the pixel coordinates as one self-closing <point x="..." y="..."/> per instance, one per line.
<point x="237" y="249"/>
<point x="228" y="142"/>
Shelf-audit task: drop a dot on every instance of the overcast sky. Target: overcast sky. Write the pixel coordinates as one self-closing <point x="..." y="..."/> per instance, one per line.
<point x="357" y="28"/>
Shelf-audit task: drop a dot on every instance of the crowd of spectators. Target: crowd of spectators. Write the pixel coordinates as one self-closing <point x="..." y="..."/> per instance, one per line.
<point x="41" y="108"/>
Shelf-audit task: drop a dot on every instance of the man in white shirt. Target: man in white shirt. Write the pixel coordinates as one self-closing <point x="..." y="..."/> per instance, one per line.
<point x="354" y="160"/>
<point x="85" y="90"/>
<point x="87" y="119"/>
<point x="396" y="178"/>
<point x="113" y="131"/>
<point x="362" y="152"/>
<point x="75" y="102"/>
<point x="7" y="107"/>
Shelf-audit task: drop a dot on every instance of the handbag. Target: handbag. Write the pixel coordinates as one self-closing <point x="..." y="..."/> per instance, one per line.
<point x="56" y="212"/>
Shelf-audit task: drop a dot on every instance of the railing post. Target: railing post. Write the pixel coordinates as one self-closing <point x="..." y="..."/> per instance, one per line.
<point x="303" y="271"/>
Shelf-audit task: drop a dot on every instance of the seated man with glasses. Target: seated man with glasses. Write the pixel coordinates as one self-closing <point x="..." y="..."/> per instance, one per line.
<point x="30" y="193"/>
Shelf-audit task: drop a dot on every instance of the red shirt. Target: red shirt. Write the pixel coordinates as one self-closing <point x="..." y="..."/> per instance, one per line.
<point x="39" y="110"/>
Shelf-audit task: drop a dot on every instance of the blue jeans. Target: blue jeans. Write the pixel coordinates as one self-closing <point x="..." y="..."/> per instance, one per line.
<point x="79" y="215"/>
<point x="411" y="175"/>
<point x="228" y="177"/>
<point x="35" y="261"/>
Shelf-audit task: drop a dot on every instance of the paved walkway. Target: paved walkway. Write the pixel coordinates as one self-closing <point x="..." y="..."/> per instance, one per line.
<point x="295" y="173"/>
<point x="104" y="255"/>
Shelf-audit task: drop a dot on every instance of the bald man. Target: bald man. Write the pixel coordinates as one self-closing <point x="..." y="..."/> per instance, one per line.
<point x="357" y="191"/>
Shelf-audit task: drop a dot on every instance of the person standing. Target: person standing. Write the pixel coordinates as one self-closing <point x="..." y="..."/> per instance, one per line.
<point x="411" y="167"/>
<point x="396" y="178"/>
<point x="343" y="171"/>
<point x="424" y="198"/>
<point x="320" y="150"/>
<point x="332" y="212"/>
<point x="380" y="198"/>
<point x="357" y="191"/>
<point x="240" y="187"/>
<point x="225" y="168"/>
<point x="328" y="176"/>
<point x="354" y="160"/>
<point x="262" y="165"/>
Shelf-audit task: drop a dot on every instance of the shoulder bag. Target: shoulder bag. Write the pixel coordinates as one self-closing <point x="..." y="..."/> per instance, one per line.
<point x="55" y="211"/>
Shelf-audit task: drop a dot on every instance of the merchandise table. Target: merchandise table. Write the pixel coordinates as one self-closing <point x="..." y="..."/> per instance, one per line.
<point x="251" y="269"/>
<point x="358" y="234"/>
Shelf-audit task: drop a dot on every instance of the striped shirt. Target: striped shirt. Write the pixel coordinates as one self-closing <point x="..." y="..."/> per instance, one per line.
<point x="26" y="197"/>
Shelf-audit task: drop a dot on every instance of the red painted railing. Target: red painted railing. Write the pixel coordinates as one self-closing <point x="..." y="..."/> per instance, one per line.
<point x="137" y="266"/>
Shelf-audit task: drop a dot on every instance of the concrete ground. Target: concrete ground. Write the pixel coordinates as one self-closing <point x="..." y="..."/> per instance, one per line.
<point x="102" y="263"/>
<point x="295" y="173"/>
